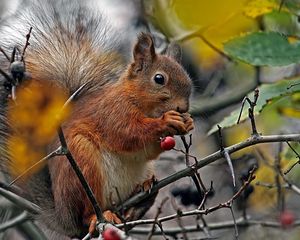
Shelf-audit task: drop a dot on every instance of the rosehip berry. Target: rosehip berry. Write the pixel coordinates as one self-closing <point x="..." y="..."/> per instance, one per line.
<point x="167" y="143"/>
<point x="110" y="234"/>
<point x="287" y="219"/>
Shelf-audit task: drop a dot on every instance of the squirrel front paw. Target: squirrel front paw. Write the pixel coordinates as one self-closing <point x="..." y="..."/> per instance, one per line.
<point x="189" y="122"/>
<point x="141" y="208"/>
<point x="146" y="186"/>
<point x="177" y="123"/>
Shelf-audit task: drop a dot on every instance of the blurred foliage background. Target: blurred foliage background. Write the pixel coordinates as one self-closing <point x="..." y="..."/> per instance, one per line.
<point x="231" y="48"/>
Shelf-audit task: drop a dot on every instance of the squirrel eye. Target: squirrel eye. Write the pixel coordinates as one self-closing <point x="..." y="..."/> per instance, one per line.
<point x="159" y="79"/>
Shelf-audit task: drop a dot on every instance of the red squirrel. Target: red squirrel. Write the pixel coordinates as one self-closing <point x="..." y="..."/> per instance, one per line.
<point x="116" y="123"/>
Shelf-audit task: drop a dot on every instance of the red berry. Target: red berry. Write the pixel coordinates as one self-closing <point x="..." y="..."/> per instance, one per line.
<point x="110" y="234"/>
<point x="167" y="143"/>
<point x="287" y="219"/>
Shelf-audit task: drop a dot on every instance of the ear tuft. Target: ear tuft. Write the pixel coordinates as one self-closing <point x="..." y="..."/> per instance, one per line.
<point x="174" y="51"/>
<point x="144" y="52"/>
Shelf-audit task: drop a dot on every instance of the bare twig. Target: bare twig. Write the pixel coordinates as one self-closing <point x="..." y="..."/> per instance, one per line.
<point x="204" y="226"/>
<point x="178" y="218"/>
<point x="294" y="164"/>
<point x="252" y="105"/>
<point x="251" y="112"/>
<point x="253" y="140"/>
<point x="26" y="44"/>
<point x="13" y="54"/>
<point x="236" y="231"/>
<point x="226" y="204"/>
<point x="242" y="108"/>
<point x="257" y="75"/>
<point x="216" y="49"/>
<point x="199" y="34"/>
<point x="292" y="85"/>
<point x="196" y="176"/>
<point x="57" y="152"/>
<point x="288" y="185"/>
<point x="278" y="172"/>
<point x="206" y="193"/>
<point x="6" y="76"/>
<point x="270" y="185"/>
<point x="5" y="54"/>
<point x="80" y="176"/>
<point x="280" y="5"/>
<point x="159" y="211"/>
<point x="240" y="223"/>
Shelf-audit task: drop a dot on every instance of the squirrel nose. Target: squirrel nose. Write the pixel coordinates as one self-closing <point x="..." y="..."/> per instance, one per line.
<point x="182" y="108"/>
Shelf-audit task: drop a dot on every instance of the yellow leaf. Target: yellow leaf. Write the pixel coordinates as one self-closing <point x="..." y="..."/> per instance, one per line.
<point x="263" y="197"/>
<point x="34" y="119"/>
<point x="215" y="20"/>
<point x="23" y="155"/>
<point x="256" y="8"/>
<point x="290" y="112"/>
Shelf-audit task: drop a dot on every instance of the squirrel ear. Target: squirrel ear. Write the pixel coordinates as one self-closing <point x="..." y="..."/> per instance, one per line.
<point x="174" y="51"/>
<point x="143" y="51"/>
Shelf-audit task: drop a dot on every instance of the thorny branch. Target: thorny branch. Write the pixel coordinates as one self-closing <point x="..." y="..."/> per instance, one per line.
<point x="253" y="140"/>
<point x="240" y="223"/>
<point x="159" y="211"/>
<point x="206" y="211"/>
<point x="252" y="105"/>
<point x="226" y="156"/>
<point x="289" y="186"/>
<point x="196" y="176"/>
<point x="199" y="34"/>
<point x="179" y="220"/>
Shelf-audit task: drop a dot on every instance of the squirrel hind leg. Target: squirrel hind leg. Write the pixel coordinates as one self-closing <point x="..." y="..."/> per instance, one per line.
<point x="108" y="215"/>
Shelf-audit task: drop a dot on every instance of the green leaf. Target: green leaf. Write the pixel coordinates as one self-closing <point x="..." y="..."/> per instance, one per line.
<point x="264" y="49"/>
<point x="267" y="93"/>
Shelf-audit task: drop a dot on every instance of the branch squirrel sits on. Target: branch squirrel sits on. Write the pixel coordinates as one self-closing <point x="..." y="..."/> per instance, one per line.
<point x="117" y="121"/>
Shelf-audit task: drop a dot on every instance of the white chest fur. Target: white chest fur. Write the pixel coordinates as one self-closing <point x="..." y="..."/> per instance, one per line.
<point x="124" y="173"/>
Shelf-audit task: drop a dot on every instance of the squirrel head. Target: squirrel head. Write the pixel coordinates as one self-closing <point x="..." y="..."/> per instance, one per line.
<point x="157" y="83"/>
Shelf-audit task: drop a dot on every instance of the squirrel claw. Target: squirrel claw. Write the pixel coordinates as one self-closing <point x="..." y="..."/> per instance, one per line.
<point x="111" y="217"/>
<point x="93" y="224"/>
<point x="177" y="123"/>
<point x="149" y="183"/>
<point x="146" y="185"/>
